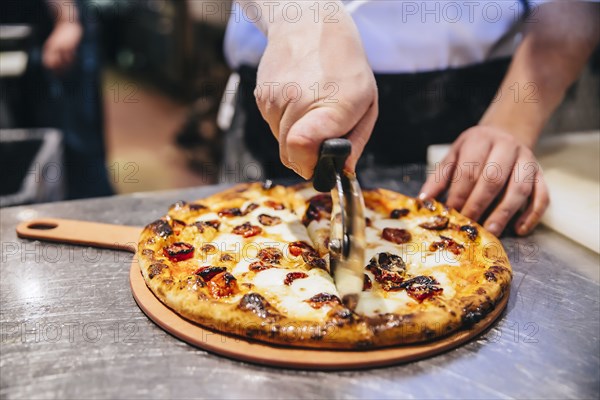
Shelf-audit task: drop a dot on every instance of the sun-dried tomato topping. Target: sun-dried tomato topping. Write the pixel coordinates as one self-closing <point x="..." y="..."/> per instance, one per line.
<point x="247" y="230"/>
<point x="367" y="284"/>
<point x="448" y="244"/>
<point x="223" y="285"/>
<point x="323" y="299"/>
<point x="297" y="248"/>
<point x="270" y="255"/>
<point x="259" y="266"/>
<point x="426" y="203"/>
<point x="394" y="235"/>
<point x="230" y="212"/>
<point x="226" y="257"/>
<point x="389" y="262"/>
<point x="161" y="228"/>
<point x="470" y="230"/>
<point x="202" y="225"/>
<point x="214" y="223"/>
<point x="197" y="207"/>
<point x="399" y="213"/>
<point x="208" y="248"/>
<point x="177" y="226"/>
<point x="257" y="304"/>
<point x="308" y="253"/>
<point x="438" y="223"/>
<point x="179" y="251"/>
<point x="368" y="222"/>
<point x="274" y="205"/>
<point x="313" y="260"/>
<point x="388" y="269"/>
<point x="421" y="287"/>
<point x="209" y="272"/>
<point x="268" y="220"/>
<point x="319" y="207"/>
<point x="292" y="276"/>
<point x="422" y="294"/>
<point x="249" y="208"/>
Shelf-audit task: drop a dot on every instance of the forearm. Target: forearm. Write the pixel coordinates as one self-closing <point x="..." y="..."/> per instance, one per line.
<point x="550" y="58"/>
<point x="267" y="14"/>
<point x="303" y="19"/>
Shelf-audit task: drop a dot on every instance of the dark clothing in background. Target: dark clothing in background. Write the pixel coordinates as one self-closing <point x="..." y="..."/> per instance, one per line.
<point x="70" y="102"/>
<point x="415" y="111"/>
<point x="32" y="12"/>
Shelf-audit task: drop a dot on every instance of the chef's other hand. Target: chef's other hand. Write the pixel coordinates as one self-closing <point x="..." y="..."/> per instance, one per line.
<point x="60" y="48"/>
<point x="314" y="83"/>
<point x="486" y="163"/>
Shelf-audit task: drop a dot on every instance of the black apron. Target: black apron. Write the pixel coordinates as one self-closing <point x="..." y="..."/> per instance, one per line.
<point x="415" y="111"/>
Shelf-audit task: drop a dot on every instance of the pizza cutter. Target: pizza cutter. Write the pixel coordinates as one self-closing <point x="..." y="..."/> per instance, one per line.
<point x="347" y="241"/>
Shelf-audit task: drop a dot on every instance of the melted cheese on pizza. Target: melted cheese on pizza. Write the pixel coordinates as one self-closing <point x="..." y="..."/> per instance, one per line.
<point x="260" y="255"/>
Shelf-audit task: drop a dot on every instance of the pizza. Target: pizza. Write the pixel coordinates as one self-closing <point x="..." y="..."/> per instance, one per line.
<point x="253" y="262"/>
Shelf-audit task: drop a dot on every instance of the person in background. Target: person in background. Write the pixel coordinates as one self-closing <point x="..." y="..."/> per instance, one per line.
<point x="397" y="76"/>
<point x="62" y="87"/>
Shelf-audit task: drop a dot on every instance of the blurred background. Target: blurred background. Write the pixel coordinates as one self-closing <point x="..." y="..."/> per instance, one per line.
<point x="145" y="88"/>
<point x="151" y="75"/>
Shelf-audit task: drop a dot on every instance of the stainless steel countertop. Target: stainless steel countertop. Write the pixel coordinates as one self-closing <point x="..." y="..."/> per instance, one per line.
<point x="71" y="329"/>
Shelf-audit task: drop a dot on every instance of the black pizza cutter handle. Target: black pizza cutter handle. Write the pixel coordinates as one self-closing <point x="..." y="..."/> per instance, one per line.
<point x="332" y="158"/>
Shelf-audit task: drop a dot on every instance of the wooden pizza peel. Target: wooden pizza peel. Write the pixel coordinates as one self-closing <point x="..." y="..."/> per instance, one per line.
<point x="119" y="237"/>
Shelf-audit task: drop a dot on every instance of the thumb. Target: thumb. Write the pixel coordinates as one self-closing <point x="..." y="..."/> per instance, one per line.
<point x="304" y="138"/>
<point x="360" y="135"/>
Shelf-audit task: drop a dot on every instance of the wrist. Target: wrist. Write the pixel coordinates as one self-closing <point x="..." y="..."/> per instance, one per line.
<point x="526" y="135"/>
<point x="301" y="19"/>
<point x="521" y="117"/>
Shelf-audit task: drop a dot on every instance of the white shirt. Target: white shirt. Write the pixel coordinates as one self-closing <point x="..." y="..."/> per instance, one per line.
<point x="402" y="36"/>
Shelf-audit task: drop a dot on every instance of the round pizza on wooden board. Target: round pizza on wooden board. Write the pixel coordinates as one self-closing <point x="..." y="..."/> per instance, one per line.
<point x="253" y="262"/>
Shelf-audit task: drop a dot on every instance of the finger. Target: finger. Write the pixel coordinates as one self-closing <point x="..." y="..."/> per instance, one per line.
<point x="272" y="112"/>
<point x="289" y="117"/>
<point x="268" y="106"/>
<point x="306" y="135"/>
<point x="540" y="199"/>
<point x="282" y="138"/>
<point x="469" y="164"/>
<point x="437" y="182"/>
<point x="494" y="175"/>
<point x="516" y="195"/>
<point x="359" y="136"/>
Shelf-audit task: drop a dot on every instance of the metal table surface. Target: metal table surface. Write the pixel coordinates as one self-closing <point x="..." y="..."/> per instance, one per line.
<point x="70" y="327"/>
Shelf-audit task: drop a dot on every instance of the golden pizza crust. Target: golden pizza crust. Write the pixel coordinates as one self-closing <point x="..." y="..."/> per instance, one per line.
<point x="258" y="304"/>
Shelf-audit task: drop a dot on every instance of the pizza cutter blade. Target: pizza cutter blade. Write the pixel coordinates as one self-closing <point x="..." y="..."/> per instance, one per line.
<point x="347" y="236"/>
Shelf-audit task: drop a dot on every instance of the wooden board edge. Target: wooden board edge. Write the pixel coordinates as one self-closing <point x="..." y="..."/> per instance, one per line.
<point x="255" y="352"/>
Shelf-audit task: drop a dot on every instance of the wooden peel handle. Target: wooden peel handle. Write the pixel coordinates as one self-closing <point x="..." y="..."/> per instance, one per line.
<point x="117" y="237"/>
